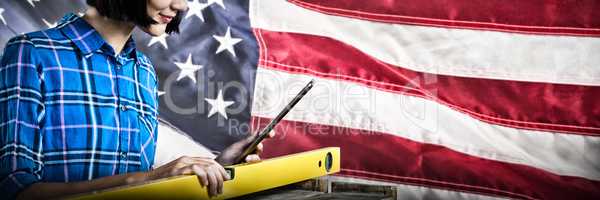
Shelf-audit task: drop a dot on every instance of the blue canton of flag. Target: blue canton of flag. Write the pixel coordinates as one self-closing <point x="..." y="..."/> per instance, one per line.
<point x="206" y="72"/>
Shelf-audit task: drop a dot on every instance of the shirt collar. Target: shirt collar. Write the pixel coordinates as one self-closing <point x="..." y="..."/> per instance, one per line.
<point x="87" y="39"/>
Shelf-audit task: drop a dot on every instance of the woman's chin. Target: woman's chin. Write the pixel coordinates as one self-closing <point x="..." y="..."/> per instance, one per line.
<point x="155" y="30"/>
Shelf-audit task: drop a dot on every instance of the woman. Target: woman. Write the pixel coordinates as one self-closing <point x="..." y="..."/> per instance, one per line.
<point x="79" y="105"/>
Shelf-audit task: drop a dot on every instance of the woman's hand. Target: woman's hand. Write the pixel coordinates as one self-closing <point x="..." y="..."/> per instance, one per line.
<point x="210" y="173"/>
<point x="229" y="154"/>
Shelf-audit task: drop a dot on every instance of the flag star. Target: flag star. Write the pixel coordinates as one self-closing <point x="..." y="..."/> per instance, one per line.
<point x="195" y="8"/>
<point x="31" y="2"/>
<point x="218" y="105"/>
<point x="162" y="39"/>
<point x="188" y="69"/>
<point x="2" y="16"/>
<point x="50" y="25"/>
<point x="226" y="42"/>
<point x="220" y="2"/>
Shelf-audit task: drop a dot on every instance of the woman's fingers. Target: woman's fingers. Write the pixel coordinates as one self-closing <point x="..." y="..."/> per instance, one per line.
<point x="213" y="183"/>
<point x="259" y="148"/>
<point x="210" y="174"/>
<point x="217" y="173"/>
<point x="224" y="173"/>
<point x="252" y="158"/>
<point x="230" y="155"/>
<point x="272" y="134"/>
<point x="201" y="174"/>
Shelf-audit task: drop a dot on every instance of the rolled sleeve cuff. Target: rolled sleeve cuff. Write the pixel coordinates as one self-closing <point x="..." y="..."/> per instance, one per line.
<point x="12" y="184"/>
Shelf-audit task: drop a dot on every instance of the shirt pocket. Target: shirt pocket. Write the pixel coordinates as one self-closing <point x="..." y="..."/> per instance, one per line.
<point x="148" y="82"/>
<point x="147" y="123"/>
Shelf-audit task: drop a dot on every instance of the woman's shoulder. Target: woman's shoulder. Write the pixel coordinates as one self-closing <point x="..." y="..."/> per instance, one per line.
<point x="44" y="39"/>
<point x="36" y="47"/>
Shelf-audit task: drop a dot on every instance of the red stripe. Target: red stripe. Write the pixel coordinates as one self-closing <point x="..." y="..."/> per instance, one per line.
<point x="382" y="156"/>
<point x="537" y="17"/>
<point x="528" y="105"/>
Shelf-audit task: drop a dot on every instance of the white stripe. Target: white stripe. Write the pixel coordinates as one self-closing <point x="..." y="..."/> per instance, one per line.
<point x="62" y="114"/>
<point x="150" y="131"/>
<point x="409" y="192"/>
<point x="457" y="52"/>
<point x="97" y="104"/>
<point x="12" y="153"/>
<point x="92" y="111"/>
<point x="108" y="153"/>
<point x="47" y="128"/>
<point x="23" y="65"/>
<point x="22" y="40"/>
<point x="34" y="126"/>
<point x="345" y="104"/>
<point x="50" y="40"/>
<point x="99" y="74"/>
<point x="54" y="47"/>
<point x="142" y="117"/>
<point x="18" y="88"/>
<point x="111" y="68"/>
<point x="55" y="162"/>
<point x="80" y="94"/>
<point x="172" y="144"/>
<point x="20" y="98"/>
<point x="23" y="147"/>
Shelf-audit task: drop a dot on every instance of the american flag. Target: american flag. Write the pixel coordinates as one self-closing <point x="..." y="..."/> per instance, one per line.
<point x="446" y="99"/>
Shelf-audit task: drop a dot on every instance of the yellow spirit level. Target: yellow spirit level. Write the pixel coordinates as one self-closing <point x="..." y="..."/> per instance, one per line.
<point x="246" y="178"/>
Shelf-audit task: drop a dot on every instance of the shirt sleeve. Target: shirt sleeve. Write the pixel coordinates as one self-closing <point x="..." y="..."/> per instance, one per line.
<point x="21" y="110"/>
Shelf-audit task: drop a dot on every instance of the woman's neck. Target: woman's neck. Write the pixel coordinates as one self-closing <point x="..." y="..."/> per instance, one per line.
<point x="115" y="33"/>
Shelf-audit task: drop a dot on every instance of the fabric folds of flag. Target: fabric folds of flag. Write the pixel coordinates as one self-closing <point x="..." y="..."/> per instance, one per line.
<point x="480" y="99"/>
<point x="497" y="98"/>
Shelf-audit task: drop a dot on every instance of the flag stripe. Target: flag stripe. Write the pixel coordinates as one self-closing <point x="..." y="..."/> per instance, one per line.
<point x="499" y="113"/>
<point x="388" y="157"/>
<point x="172" y="143"/>
<point x="535" y="17"/>
<point x="456" y="52"/>
<point x="510" y="103"/>
<point x="346" y="104"/>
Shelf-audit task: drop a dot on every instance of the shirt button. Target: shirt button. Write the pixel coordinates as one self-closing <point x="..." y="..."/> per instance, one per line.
<point x="123" y="107"/>
<point x="123" y="155"/>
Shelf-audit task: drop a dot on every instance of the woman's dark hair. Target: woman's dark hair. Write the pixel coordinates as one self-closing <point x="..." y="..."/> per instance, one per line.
<point x="132" y="11"/>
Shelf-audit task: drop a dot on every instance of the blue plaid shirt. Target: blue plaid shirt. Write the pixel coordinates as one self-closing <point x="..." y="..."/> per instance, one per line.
<point x="72" y="110"/>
